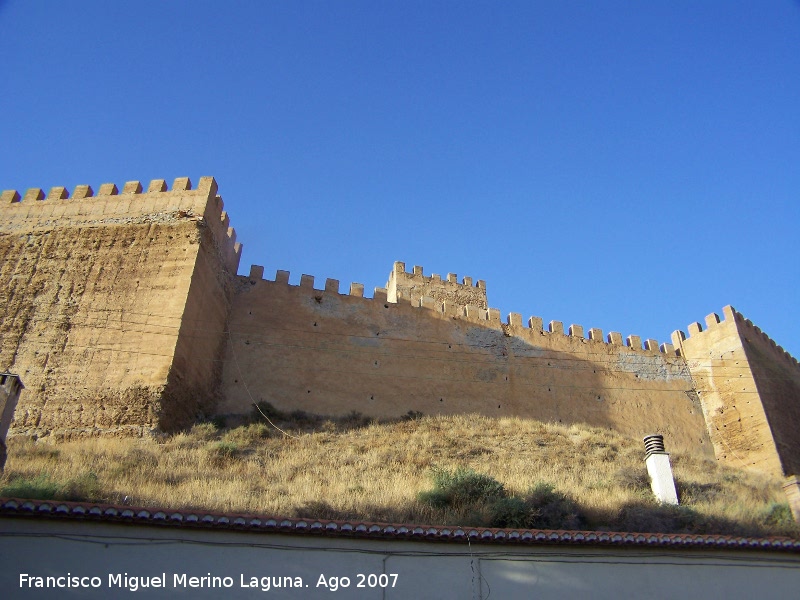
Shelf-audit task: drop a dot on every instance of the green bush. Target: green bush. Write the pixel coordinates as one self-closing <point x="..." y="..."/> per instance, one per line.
<point x="541" y="508"/>
<point x="511" y="512"/>
<point x="41" y="487"/>
<point x="461" y="487"/>
<point x="222" y="452"/>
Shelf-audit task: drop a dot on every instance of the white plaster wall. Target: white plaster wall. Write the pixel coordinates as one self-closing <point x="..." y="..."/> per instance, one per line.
<point x="434" y="570"/>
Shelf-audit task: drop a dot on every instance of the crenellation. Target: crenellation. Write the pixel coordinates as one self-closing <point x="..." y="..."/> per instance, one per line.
<point x="332" y="286"/>
<point x="33" y="194"/>
<point x="108" y="189"/>
<point x="282" y="277"/>
<point x="379" y="294"/>
<point x="256" y="272"/>
<point x="357" y="290"/>
<point x="452" y="278"/>
<point x="231" y="232"/>
<point x="436" y="278"/>
<point x="514" y="319"/>
<point x="417" y="270"/>
<point x="467" y="281"/>
<point x="481" y="284"/>
<point x="181" y="184"/>
<point x="58" y="193"/>
<point x="82" y="191"/>
<point x="208" y="185"/>
<point x="399" y="267"/>
<point x="225" y="220"/>
<point x="651" y="345"/>
<point x="474" y="312"/>
<point x="10" y="197"/>
<point x="536" y="324"/>
<point x="307" y="281"/>
<point x="556" y="327"/>
<point x="694" y="328"/>
<point x="668" y="349"/>
<point x="451" y="309"/>
<point x="596" y="335"/>
<point x="677" y="338"/>
<point x="634" y="341"/>
<point x="615" y="338"/>
<point x="712" y="320"/>
<point x="132" y="187"/>
<point x="493" y="315"/>
<point x="575" y="331"/>
<point x="157" y="185"/>
<point x="428" y="302"/>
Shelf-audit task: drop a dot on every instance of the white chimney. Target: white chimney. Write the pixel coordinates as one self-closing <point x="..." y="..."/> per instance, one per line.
<point x="659" y="469"/>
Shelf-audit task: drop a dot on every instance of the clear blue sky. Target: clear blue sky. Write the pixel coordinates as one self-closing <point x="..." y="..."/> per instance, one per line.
<point x="632" y="166"/>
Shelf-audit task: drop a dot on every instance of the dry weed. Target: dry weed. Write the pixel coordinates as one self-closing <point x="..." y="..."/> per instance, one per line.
<point x="355" y="468"/>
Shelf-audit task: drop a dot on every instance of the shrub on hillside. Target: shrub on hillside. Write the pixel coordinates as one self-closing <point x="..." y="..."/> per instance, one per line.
<point x="541" y="508"/>
<point x="461" y="487"/>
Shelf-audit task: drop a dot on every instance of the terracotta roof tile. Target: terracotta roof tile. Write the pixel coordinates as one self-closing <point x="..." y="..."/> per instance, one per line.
<point x="88" y="511"/>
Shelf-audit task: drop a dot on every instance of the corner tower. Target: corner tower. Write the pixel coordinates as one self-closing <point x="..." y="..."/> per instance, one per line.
<point x="113" y="305"/>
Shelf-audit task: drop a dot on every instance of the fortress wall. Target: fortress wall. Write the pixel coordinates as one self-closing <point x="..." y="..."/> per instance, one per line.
<point x="723" y="375"/>
<point x="327" y="352"/>
<point x="92" y="294"/>
<point x="415" y="285"/>
<point x="197" y="365"/>
<point x="777" y="379"/>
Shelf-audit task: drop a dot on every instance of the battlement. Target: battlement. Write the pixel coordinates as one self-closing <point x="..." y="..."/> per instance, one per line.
<point x="36" y="211"/>
<point x="715" y="326"/>
<point x="490" y="317"/>
<point x="415" y="285"/>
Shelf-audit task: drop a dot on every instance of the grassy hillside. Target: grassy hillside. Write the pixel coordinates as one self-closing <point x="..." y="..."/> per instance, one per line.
<point x="461" y="470"/>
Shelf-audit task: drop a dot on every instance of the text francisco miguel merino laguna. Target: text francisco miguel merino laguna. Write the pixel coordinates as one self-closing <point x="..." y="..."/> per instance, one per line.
<point x="182" y="580"/>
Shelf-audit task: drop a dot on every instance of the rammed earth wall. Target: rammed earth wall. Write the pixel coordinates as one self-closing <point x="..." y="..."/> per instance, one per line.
<point x="327" y="352"/>
<point x="112" y="305"/>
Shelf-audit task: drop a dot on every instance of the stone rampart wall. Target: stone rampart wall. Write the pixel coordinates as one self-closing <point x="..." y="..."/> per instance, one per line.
<point x="326" y="352"/>
<point x="94" y="293"/>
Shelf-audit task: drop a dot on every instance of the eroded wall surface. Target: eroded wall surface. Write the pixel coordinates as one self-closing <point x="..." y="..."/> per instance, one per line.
<point x="325" y="352"/>
<point x="94" y="292"/>
<point x="750" y="392"/>
<point x="777" y="378"/>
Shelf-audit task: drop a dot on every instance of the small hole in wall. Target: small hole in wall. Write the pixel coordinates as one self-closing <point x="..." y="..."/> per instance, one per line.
<point x="315" y="324"/>
<point x="450" y="345"/>
<point x="372" y="397"/>
<point x="247" y="342"/>
<point x="441" y="399"/>
<point x="498" y="406"/>
<point x="377" y="363"/>
<point x="235" y="381"/>
<point x="385" y="306"/>
<point x="549" y="390"/>
<point x="308" y="391"/>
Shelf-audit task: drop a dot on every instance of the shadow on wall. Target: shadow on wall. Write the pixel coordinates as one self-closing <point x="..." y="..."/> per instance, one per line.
<point x="323" y="352"/>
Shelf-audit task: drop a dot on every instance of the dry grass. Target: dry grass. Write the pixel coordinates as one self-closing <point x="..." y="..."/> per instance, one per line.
<point x="353" y="469"/>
